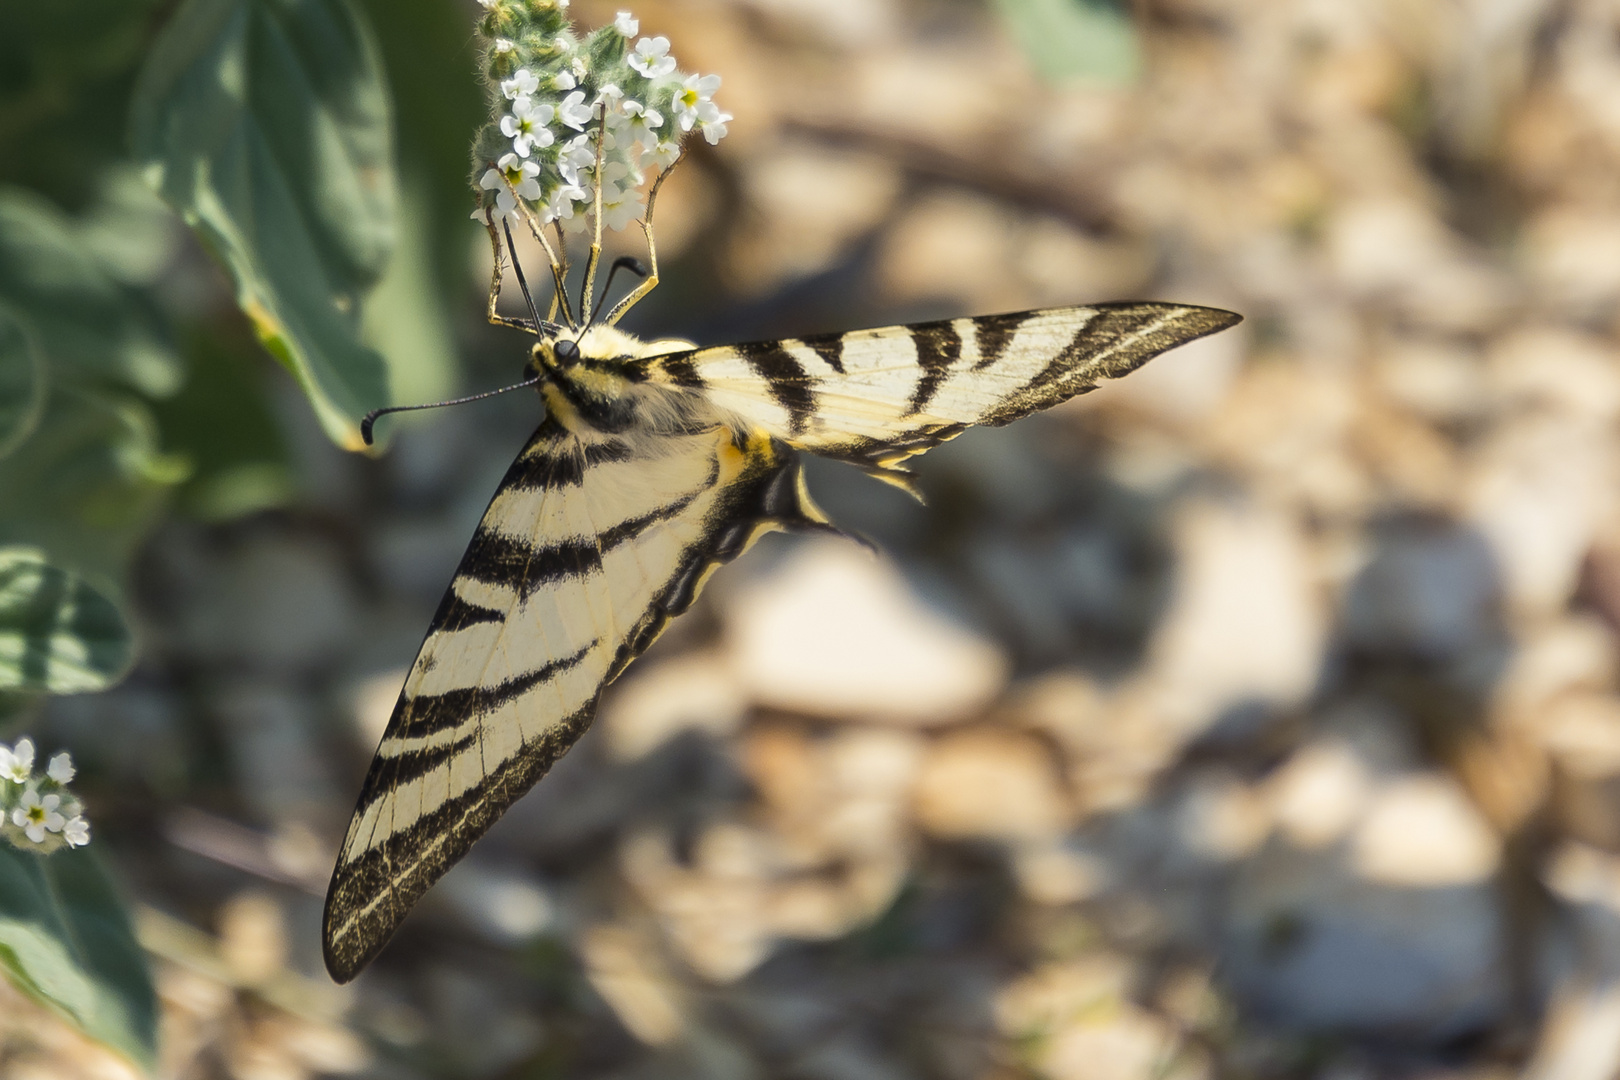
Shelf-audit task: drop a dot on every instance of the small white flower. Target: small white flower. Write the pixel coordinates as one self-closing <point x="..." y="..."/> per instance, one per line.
<point x="665" y="153"/>
<point x="621" y="196"/>
<point x="488" y="5"/>
<point x="627" y="25"/>
<point x="504" y="46"/>
<point x="651" y="57"/>
<point x="523" y="81"/>
<point x="562" y="5"/>
<point x="577" y="156"/>
<point x="578" y="66"/>
<point x="520" y="175"/>
<point x="77" y="831"/>
<point x="560" y="207"/>
<point x="61" y="768"/>
<point x="18" y="765"/>
<point x="564" y="80"/>
<point x="715" y="129"/>
<point x="573" y="111"/>
<point x="34" y="815"/>
<point x="643" y="123"/>
<point x="692" y="104"/>
<point x="526" y="125"/>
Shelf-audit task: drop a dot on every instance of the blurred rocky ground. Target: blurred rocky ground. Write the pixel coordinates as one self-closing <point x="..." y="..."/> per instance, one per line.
<point x="1255" y="717"/>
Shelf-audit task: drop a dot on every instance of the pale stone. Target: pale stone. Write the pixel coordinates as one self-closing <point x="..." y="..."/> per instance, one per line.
<point x="1576" y="652"/>
<point x="836" y="632"/>
<point x="1245" y="625"/>
<point x="1539" y="492"/>
<point x="1221" y="818"/>
<point x="1582" y="731"/>
<point x="694" y="691"/>
<point x="1576" y="374"/>
<point x="1054" y="873"/>
<point x="1319" y="793"/>
<point x="1423" y="832"/>
<point x="253" y="937"/>
<point x="1438" y="379"/>
<point x="1398" y="250"/>
<point x="1580" y="1036"/>
<point x="1075" y="1021"/>
<point x="1574" y="256"/>
<point x="991" y="784"/>
<point x="619" y="966"/>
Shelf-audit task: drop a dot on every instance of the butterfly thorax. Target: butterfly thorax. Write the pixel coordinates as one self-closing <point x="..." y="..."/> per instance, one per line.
<point x="597" y="379"/>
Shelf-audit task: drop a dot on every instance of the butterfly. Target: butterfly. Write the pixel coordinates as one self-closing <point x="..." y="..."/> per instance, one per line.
<point x="655" y="462"/>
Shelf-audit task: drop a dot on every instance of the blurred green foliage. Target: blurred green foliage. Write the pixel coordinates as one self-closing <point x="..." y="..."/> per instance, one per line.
<point x="1090" y="40"/>
<point x="127" y="389"/>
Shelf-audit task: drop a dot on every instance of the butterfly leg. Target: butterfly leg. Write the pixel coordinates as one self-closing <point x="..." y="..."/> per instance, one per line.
<point x="559" y="267"/>
<point x="499" y="251"/>
<point x="651" y="281"/>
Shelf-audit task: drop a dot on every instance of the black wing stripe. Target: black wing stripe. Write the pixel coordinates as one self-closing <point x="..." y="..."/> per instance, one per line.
<point x="830" y="347"/>
<point x="565" y="468"/>
<point x="790" y="384"/>
<point x="993" y="333"/>
<point x="430" y="714"/>
<point x="939" y="347"/>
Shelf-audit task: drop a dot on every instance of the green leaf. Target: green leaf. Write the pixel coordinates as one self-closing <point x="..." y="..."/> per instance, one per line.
<point x="88" y="483"/>
<point x="85" y="320"/>
<point x="22" y="383"/>
<point x="1091" y="40"/>
<point x="57" y="634"/>
<point x="266" y="124"/>
<point x="66" y="942"/>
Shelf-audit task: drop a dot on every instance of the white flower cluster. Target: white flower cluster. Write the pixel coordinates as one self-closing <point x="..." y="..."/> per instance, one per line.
<point x="566" y="104"/>
<point x="40" y="814"/>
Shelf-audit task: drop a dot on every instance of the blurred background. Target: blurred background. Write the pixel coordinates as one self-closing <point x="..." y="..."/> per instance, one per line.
<point x="1253" y="717"/>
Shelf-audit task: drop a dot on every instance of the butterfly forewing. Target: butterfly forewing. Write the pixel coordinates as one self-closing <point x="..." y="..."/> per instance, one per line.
<point x="589" y="546"/>
<point x="875" y="396"/>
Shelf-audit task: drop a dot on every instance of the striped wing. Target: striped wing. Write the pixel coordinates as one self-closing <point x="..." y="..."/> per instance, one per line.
<point x="590" y="545"/>
<point x="875" y="397"/>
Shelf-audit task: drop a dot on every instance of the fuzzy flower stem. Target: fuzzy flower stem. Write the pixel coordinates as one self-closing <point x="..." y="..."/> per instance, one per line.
<point x="589" y="285"/>
<point x="559" y="267"/>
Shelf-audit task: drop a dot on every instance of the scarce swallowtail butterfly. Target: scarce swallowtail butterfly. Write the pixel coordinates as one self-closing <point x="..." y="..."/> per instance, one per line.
<point x="655" y="462"/>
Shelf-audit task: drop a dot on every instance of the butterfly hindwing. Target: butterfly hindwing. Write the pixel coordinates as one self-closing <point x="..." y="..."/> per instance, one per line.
<point x="875" y="397"/>
<point x="590" y="545"/>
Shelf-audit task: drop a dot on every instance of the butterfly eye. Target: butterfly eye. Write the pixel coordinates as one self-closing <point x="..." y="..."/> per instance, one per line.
<point x="566" y="351"/>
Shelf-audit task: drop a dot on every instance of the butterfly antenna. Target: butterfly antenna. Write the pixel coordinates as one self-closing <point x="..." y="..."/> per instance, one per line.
<point x="623" y="262"/>
<point x="523" y="284"/>
<point x="371" y="417"/>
